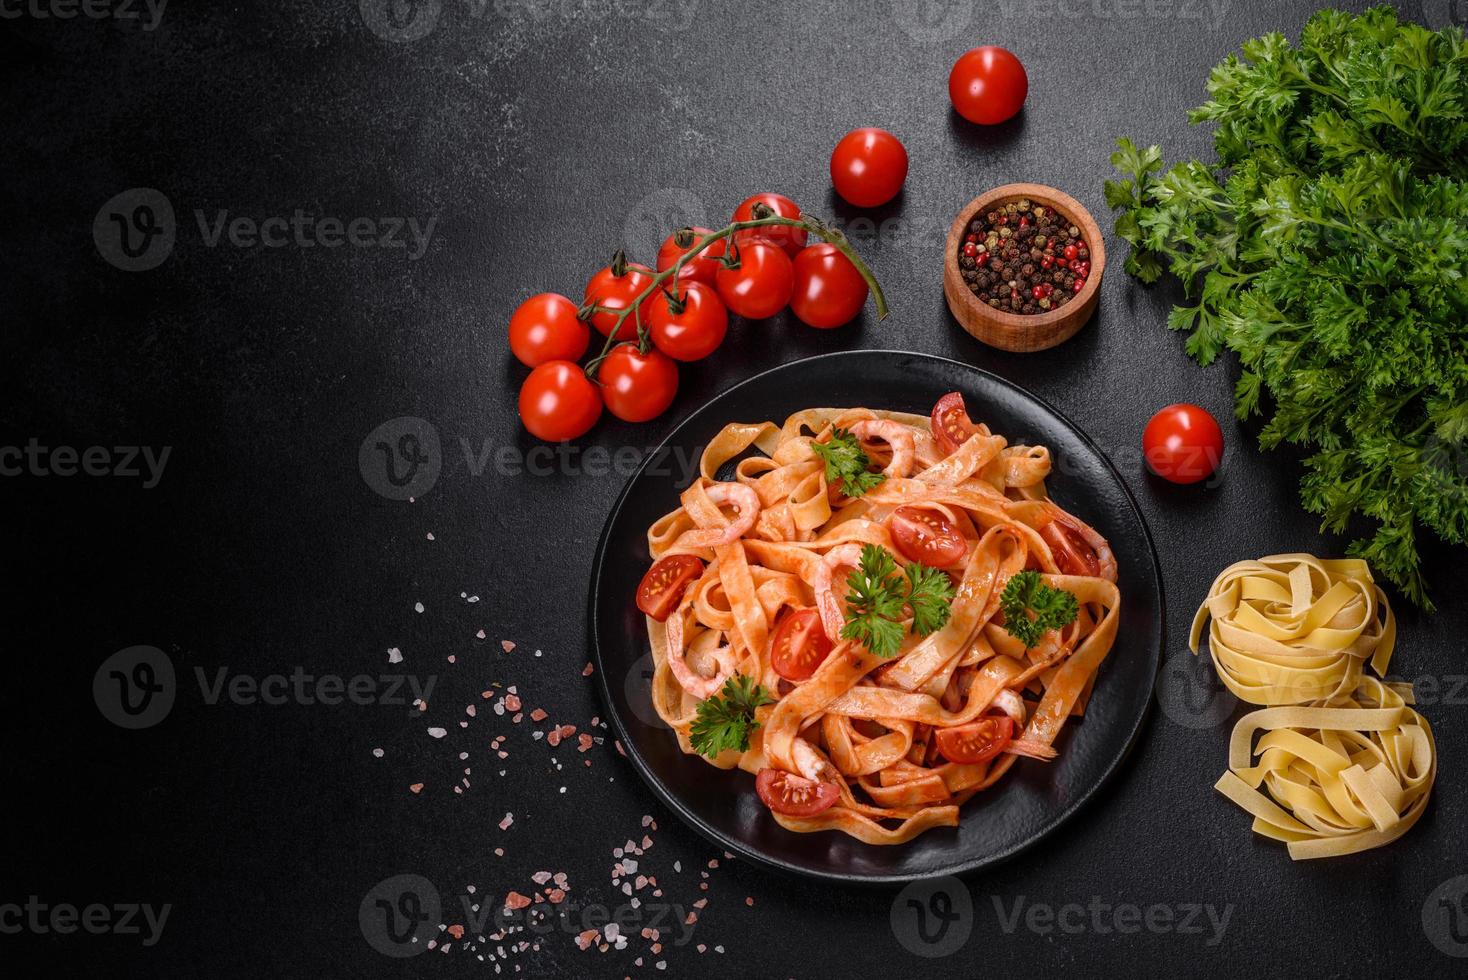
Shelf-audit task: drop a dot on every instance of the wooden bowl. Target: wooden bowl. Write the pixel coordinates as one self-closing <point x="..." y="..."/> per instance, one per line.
<point x="1017" y="331"/>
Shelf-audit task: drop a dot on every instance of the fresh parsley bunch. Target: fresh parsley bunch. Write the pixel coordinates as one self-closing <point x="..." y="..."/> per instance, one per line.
<point x="874" y="607"/>
<point x="1026" y="593"/>
<point x="725" y="720"/>
<point x="1328" y="248"/>
<point x="847" y="462"/>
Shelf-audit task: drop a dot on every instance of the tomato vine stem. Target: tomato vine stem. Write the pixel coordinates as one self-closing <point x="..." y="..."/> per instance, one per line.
<point x="814" y="226"/>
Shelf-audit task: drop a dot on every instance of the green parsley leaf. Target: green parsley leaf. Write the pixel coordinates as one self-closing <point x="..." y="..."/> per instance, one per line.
<point x="879" y="596"/>
<point x="1026" y="593"/>
<point x="845" y="461"/>
<point x="725" y="720"/>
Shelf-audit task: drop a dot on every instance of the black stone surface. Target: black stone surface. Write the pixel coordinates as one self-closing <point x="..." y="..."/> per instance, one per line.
<point x="537" y="135"/>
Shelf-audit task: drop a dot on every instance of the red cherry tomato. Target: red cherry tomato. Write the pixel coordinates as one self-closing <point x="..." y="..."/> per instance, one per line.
<point x="828" y="291"/>
<point x="950" y="423"/>
<point x="987" y="85"/>
<point x="700" y="268"/>
<point x="792" y="795"/>
<point x="977" y="741"/>
<point x="926" y="535"/>
<point x="557" y="402"/>
<point x="799" y="644"/>
<point x="690" y="325"/>
<point x="617" y="293"/>
<point x="786" y="237"/>
<point x="637" y="387"/>
<point x="868" y="167"/>
<point x="1183" y="444"/>
<point x="545" y="328"/>
<point x="1073" y="553"/>
<point x="661" y="589"/>
<point x="761" y="284"/>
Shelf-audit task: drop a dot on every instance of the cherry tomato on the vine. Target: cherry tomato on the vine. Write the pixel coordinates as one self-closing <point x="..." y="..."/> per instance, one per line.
<point x="789" y="238"/>
<point x="760" y="285"/>
<point x="702" y="266"/>
<point x="545" y="328"/>
<point x="690" y="323"/>
<point x="868" y="167"/>
<point x="988" y="85"/>
<point x="637" y="387"/>
<point x="828" y="291"/>
<point x="557" y="402"/>
<point x="616" y="289"/>
<point x="1183" y="443"/>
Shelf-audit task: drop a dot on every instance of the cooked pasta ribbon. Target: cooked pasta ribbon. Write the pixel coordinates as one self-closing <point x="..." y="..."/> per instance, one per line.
<point x="1345" y="763"/>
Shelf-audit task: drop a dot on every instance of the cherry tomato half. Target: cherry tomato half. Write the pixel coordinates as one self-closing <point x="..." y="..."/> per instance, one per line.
<point x="988" y="85"/>
<point x="977" y="741"/>
<point x="637" y="386"/>
<point x="1073" y="553"/>
<point x="616" y="292"/>
<point x="790" y="239"/>
<point x="792" y="795"/>
<point x="557" y="402"/>
<point x="1183" y="443"/>
<point x="950" y="423"/>
<point x="663" y="586"/>
<point x="700" y="268"/>
<point x="689" y="325"/>
<point x="926" y="535"/>
<point x="760" y="285"/>
<point x="545" y="328"/>
<point x="799" y="644"/>
<point x="868" y="167"/>
<point x="828" y="291"/>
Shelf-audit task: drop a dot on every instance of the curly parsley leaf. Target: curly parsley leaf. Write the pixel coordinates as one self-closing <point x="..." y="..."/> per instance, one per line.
<point x="1031" y="607"/>
<point x="725" y="720"/>
<point x="848" y="463"/>
<point x="880" y="594"/>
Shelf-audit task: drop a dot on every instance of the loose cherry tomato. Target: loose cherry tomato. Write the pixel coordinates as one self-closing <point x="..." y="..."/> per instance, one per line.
<point x="691" y="325"/>
<point x="988" y="85"/>
<point x="1073" y="553"/>
<point x="760" y="285"/>
<point x="950" y="423"/>
<point x="700" y="268"/>
<point x="926" y="535"/>
<point x="616" y="290"/>
<point x="786" y="237"/>
<point x="545" y="328"/>
<point x="663" y="586"/>
<point x="828" y="290"/>
<point x="799" y="644"/>
<point x="792" y="795"/>
<point x="557" y="402"/>
<point x="637" y="386"/>
<point x="977" y="741"/>
<point x="1183" y="443"/>
<point x="868" y="167"/>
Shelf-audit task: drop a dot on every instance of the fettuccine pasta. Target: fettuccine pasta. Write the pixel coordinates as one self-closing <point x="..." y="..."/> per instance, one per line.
<point x="1345" y="762"/>
<point x="859" y="744"/>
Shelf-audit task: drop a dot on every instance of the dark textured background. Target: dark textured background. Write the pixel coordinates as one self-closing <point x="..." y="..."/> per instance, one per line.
<point x="541" y="134"/>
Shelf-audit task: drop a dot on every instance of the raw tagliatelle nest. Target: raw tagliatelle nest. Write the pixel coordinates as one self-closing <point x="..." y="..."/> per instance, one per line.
<point x="1344" y="762"/>
<point x="778" y="540"/>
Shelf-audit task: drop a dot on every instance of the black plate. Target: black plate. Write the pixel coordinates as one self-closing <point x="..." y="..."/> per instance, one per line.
<point x="1034" y="798"/>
